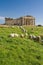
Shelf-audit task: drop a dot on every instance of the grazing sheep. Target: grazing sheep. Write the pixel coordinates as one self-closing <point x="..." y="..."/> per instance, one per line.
<point x="16" y="35"/>
<point x="34" y="37"/>
<point x="13" y="35"/>
<point x="26" y="34"/>
<point x="23" y="29"/>
<point x="38" y="38"/>
<point x="30" y="36"/>
<point x="22" y="35"/>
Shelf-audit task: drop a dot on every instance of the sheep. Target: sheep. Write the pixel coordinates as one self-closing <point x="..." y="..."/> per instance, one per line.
<point x="22" y="35"/>
<point x="30" y="36"/>
<point x="23" y="29"/>
<point x="38" y="38"/>
<point x="26" y="34"/>
<point x="13" y="35"/>
<point x="34" y="37"/>
<point x="16" y="35"/>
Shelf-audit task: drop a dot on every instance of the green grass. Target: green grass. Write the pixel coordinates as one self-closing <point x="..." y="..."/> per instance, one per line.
<point x="34" y="30"/>
<point x="20" y="51"/>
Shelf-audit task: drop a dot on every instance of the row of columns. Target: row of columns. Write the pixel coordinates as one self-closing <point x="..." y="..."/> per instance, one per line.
<point x="28" y="22"/>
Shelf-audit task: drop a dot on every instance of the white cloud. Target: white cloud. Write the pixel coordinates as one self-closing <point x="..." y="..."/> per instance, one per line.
<point x="2" y="18"/>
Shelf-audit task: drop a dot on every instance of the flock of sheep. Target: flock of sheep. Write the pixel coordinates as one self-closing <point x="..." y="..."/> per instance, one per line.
<point x="32" y="37"/>
<point x="35" y="38"/>
<point x="17" y="35"/>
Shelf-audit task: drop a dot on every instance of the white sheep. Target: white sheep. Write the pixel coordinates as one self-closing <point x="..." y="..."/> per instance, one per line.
<point x="30" y="36"/>
<point x="38" y="38"/>
<point x="26" y="34"/>
<point x="34" y="37"/>
<point x="11" y="35"/>
<point x="22" y="35"/>
<point x="14" y="35"/>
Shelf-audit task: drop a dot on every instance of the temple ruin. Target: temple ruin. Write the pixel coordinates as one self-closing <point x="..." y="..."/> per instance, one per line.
<point x="25" y="20"/>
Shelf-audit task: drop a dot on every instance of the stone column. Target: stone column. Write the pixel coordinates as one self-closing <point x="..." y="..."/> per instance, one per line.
<point x="23" y="21"/>
<point x="33" y="22"/>
<point x="28" y="22"/>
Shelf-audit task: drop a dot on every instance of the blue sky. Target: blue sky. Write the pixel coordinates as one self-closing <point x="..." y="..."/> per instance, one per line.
<point x="17" y="8"/>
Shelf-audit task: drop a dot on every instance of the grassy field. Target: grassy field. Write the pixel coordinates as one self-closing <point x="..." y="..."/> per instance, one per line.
<point x="20" y="51"/>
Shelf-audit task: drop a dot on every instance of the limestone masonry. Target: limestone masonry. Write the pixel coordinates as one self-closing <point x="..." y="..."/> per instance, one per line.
<point x="25" y="20"/>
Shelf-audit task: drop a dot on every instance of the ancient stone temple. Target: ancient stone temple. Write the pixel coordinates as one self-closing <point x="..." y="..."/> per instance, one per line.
<point x="25" y="20"/>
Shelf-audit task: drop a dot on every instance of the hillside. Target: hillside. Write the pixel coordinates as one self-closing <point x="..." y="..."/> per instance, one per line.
<point x="20" y="51"/>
